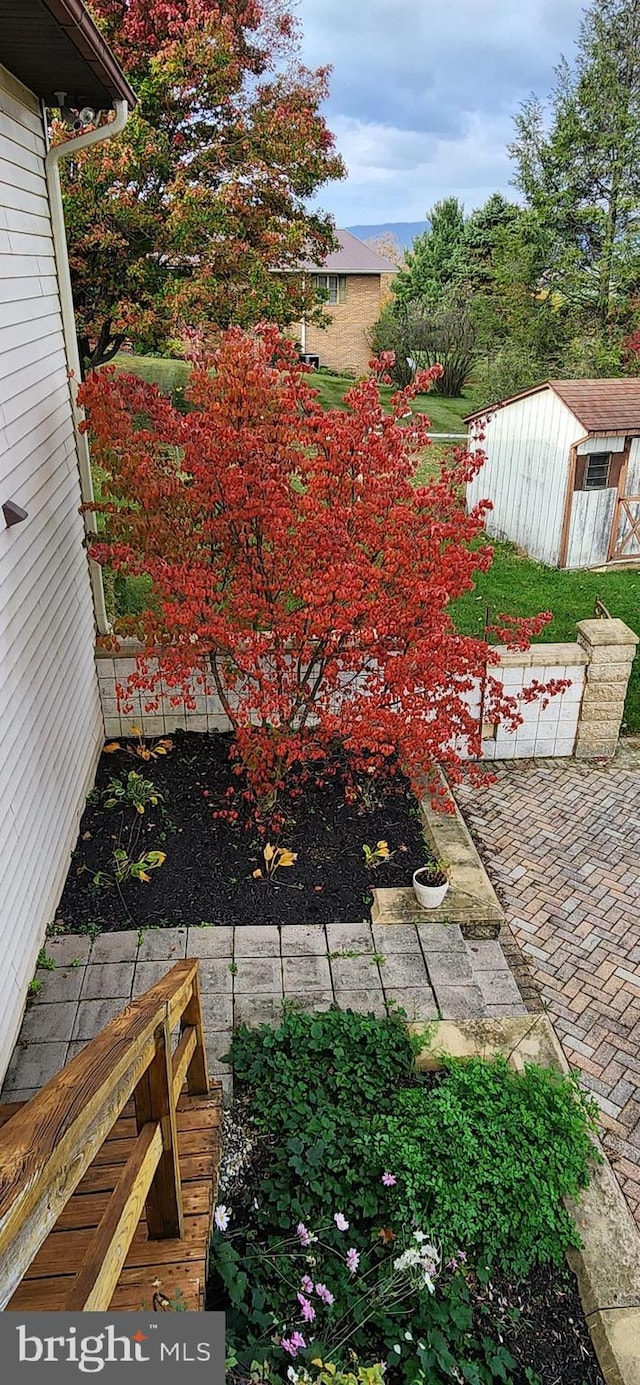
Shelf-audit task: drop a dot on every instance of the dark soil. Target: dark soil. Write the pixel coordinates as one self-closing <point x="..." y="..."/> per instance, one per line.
<point x="207" y="876"/>
<point x="549" y="1334"/>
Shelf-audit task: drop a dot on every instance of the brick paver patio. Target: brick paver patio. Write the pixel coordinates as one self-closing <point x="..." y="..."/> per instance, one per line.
<point x="561" y="841"/>
<point x="247" y="973"/>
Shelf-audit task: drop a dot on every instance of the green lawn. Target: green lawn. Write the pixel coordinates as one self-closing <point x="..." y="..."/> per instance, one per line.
<point x="445" y="414"/>
<point x="521" y="587"/>
<point x="514" y="583"/>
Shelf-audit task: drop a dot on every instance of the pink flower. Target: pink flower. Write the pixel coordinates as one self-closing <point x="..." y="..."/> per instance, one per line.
<point x="325" y="1294"/>
<point x="340" y="1221"/>
<point x="353" y="1260"/>
<point x="308" y="1311"/>
<point x="306" y="1284"/>
<point x="389" y="1180"/>
<point x="293" y="1344"/>
<point x="303" y="1235"/>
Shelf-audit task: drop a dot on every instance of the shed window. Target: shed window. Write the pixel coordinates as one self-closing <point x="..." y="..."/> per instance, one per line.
<point x="333" y="285"/>
<point x="597" y="470"/>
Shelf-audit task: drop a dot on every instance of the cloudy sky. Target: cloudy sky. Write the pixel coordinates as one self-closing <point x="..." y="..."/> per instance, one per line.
<point x="423" y="94"/>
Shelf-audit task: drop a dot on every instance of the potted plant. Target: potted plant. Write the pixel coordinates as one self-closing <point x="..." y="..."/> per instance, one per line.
<point x="430" y="883"/>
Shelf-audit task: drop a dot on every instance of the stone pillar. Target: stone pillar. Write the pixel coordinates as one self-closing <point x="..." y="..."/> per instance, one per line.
<point x="611" y="647"/>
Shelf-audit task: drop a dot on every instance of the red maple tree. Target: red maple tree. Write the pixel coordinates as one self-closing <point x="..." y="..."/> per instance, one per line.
<point x="294" y="566"/>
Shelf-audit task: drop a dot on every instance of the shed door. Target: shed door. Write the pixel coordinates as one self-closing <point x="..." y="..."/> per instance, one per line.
<point x="625" y="538"/>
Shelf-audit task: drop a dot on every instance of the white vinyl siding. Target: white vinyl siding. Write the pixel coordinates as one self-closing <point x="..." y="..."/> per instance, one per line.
<point x="51" y="725"/>
<point x="631" y="548"/>
<point x="527" y="446"/>
<point x="593" y="510"/>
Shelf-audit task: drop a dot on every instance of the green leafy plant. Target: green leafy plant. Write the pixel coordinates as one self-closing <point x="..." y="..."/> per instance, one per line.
<point x="435" y="872"/>
<point x="126" y="867"/>
<point x="374" y="856"/>
<point x="44" y="960"/>
<point x="135" y="791"/>
<point x="504" y="1150"/>
<point x="439" y="1175"/>
<point x="327" y="1373"/>
<point x="34" y="988"/>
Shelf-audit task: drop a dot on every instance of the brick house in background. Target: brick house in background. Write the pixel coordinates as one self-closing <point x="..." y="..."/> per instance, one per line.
<point x="357" y="281"/>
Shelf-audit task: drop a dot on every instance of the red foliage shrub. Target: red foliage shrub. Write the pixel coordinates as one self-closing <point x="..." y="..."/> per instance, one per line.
<point x="295" y="568"/>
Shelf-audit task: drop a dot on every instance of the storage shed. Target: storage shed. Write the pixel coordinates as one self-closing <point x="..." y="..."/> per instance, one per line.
<point x="563" y="471"/>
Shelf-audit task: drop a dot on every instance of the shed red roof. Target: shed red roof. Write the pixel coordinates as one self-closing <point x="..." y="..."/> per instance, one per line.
<point x="601" y="406"/>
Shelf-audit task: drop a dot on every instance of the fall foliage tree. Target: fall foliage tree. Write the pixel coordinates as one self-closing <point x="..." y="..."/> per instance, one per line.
<point x="295" y="570"/>
<point x="185" y="215"/>
<point x="387" y="245"/>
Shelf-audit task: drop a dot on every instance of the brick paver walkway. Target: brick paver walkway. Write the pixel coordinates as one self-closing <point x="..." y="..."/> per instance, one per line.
<point x="247" y="973"/>
<point x="562" y="844"/>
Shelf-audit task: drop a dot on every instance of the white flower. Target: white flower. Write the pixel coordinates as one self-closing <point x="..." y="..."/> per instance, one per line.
<point x="222" y="1217"/>
<point x="398" y="1349"/>
<point x="419" y="1236"/>
<point x="408" y="1259"/>
<point x="292" y="1375"/>
<point x="408" y="1336"/>
<point x="340" y="1221"/>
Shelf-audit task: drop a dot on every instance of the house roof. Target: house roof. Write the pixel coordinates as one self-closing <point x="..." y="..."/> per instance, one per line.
<point x="353" y="257"/>
<point x="601" y="406"/>
<point x="53" y="46"/>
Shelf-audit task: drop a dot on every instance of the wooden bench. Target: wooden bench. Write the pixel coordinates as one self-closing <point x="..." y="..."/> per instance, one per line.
<point x="108" y="1176"/>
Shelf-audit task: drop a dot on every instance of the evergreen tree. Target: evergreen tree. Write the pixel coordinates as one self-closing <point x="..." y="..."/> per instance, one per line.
<point x="433" y="262"/>
<point x="580" y="172"/>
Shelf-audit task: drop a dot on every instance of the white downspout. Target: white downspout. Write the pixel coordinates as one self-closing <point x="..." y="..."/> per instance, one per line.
<point x="303" y="334"/>
<point x="52" y="170"/>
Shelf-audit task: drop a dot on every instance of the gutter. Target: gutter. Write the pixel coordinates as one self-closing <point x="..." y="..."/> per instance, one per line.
<point x="79" y="29"/>
<point x="52" y="171"/>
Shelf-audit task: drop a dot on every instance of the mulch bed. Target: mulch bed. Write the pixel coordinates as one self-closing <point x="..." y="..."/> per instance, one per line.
<point x="207" y="876"/>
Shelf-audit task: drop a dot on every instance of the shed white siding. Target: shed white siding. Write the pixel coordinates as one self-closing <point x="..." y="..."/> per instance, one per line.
<point x="525" y="476"/>
<point x="50" y="719"/>
<point x="592" y="512"/>
<point x="632" y="488"/>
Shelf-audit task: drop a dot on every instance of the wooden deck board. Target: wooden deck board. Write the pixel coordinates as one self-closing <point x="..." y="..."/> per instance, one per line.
<point x="178" y="1264"/>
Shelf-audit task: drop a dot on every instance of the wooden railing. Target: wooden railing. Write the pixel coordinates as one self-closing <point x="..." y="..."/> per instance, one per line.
<point x="48" y="1145"/>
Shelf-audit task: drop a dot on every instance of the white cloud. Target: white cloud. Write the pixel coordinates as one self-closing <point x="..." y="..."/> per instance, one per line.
<point x="424" y="92"/>
<point x="396" y="175"/>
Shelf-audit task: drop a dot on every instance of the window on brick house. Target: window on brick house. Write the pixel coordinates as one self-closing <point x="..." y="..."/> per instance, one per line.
<point x="333" y="285"/>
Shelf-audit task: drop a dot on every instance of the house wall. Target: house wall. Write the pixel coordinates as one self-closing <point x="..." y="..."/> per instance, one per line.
<point x="592" y="512"/>
<point x="49" y="705"/>
<point x="525" y="476"/>
<point x="343" y="344"/>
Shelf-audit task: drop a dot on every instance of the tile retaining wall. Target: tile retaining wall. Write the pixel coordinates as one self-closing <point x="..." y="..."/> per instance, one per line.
<point x="584" y="720"/>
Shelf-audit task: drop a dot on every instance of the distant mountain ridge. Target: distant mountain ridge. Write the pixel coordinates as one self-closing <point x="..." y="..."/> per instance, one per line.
<point x="405" y="232"/>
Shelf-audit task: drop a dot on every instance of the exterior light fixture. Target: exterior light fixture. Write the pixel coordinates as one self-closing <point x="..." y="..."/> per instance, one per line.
<point x="13" y="514"/>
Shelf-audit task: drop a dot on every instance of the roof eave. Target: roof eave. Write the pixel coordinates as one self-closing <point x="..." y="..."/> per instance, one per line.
<point x="86" y="38"/>
<point x="502" y="403"/>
